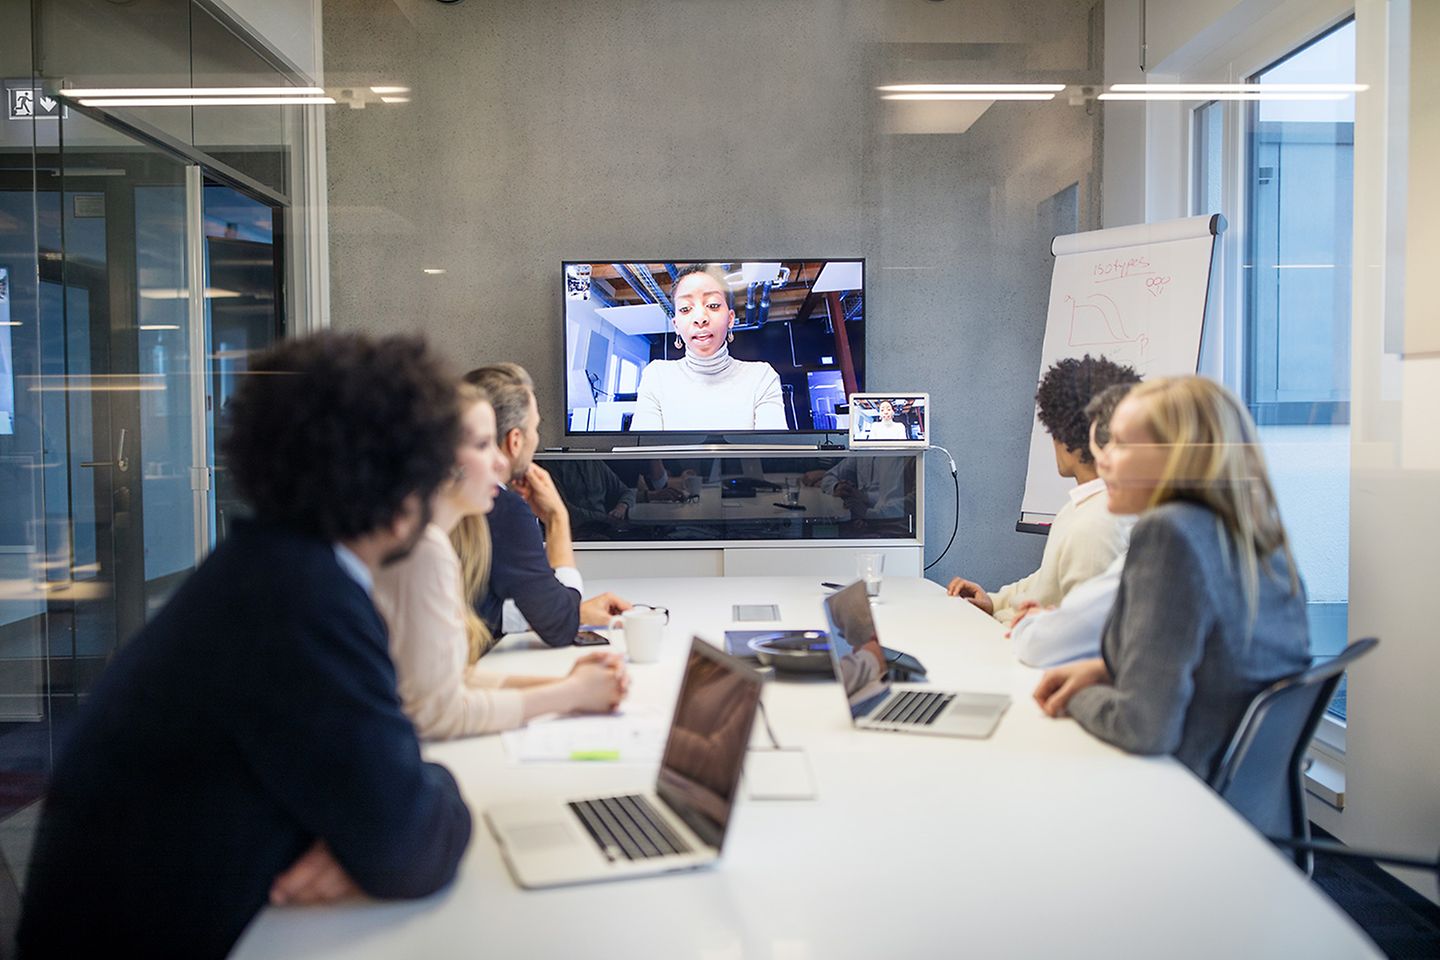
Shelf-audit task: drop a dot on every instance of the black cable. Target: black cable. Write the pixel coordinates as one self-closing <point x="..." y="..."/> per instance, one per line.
<point x="765" y="719"/>
<point x="955" y="476"/>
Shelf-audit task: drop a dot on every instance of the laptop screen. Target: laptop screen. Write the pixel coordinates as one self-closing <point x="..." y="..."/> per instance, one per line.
<point x="889" y="420"/>
<point x="855" y="651"/>
<point x="700" y="771"/>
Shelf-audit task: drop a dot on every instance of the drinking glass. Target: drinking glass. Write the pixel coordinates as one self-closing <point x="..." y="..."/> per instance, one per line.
<point x="870" y="567"/>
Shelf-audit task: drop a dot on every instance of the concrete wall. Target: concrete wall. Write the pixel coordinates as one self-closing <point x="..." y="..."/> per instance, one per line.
<point x="291" y="27"/>
<point x="545" y="130"/>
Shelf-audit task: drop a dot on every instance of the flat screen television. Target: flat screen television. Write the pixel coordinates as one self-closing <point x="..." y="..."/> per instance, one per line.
<point x="712" y="347"/>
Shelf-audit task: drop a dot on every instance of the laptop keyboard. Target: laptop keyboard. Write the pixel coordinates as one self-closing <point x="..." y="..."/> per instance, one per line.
<point x="915" y="708"/>
<point x="628" y="827"/>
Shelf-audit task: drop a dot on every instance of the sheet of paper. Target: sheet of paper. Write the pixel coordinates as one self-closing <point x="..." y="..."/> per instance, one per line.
<point x="634" y="736"/>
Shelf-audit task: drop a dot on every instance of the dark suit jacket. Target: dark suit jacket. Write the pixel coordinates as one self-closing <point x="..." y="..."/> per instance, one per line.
<point x="256" y="713"/>
<point x="520" y="571"/>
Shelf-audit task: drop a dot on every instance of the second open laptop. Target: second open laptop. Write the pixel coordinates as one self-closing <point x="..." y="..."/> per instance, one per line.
<point x="877" y="704"/>
<point x="679" y="825"/>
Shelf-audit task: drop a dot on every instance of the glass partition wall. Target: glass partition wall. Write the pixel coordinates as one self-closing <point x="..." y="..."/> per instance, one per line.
<point x="137" y="273"/>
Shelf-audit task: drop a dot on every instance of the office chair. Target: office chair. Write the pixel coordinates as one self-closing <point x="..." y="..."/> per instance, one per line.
<point x="1266" y="756"/>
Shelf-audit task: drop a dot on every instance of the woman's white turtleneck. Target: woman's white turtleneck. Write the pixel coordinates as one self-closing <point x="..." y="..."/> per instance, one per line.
<point x="714" y="393"/>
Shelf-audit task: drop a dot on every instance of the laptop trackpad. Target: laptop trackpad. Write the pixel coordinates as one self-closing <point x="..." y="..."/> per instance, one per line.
<point x="528" y="837"/>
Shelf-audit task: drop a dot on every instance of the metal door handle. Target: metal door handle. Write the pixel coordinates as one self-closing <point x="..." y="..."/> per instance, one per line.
<point x="120" y="462"/>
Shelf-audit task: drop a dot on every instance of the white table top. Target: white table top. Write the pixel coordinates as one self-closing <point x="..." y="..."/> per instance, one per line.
<point x="1038" y="841"/>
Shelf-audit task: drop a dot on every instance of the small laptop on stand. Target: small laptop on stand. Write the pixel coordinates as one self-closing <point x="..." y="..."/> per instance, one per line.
<point x="679" y="825"/>
<point x="861" y="669"/>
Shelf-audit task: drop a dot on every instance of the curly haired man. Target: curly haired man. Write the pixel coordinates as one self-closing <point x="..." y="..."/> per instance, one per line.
<point x="1085" y="536"/>
<point x="247" y="745"/>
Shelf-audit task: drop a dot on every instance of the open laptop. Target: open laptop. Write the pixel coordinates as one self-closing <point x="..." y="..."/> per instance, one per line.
<point x="893" y="420"/>
<point x="877" y="704"/>
<point x="679" y="825"/>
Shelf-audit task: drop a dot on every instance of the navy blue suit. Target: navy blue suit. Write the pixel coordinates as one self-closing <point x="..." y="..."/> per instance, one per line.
<point x="521" y="571"/>
<point x="257" y="713"/>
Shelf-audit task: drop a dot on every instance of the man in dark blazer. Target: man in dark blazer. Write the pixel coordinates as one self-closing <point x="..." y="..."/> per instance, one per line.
<point x="247" y="746"/>
<point x="534" y="582"/>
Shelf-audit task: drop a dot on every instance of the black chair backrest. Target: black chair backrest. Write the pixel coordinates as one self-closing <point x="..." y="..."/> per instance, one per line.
<point x="1265" y="758"/>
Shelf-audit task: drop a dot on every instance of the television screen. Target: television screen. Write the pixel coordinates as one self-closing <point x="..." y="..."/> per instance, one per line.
<point x="741" y="346"/>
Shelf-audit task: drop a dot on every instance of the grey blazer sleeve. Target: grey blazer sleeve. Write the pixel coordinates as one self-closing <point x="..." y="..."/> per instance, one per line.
<point x="1154" y="640"/>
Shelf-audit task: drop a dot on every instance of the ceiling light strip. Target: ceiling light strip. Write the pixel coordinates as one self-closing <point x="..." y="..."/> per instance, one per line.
<point x="1220" y="95"/>
<point x="200" y="101"/>
<point x="972" y="88"/>
<point x="1239" y="87"/>
<point x="968" y="96"/>
<point x="77" y="93"/>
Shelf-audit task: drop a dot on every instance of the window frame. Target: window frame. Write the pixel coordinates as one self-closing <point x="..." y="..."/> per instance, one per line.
<point x="1224" y="349"/>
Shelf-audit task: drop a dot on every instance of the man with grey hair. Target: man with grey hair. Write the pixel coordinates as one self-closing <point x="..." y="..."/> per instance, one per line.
<point x="534" y="582"/>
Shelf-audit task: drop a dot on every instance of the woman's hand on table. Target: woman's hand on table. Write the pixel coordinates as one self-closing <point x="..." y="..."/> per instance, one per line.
<point x="1061" y="683"/>
<point x="598" y="682"/>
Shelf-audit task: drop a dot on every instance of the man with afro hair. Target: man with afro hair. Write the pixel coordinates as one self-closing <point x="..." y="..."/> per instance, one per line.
<point x="1085" y="537"/>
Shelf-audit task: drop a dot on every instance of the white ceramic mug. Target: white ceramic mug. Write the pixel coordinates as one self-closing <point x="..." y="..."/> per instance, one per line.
<point x="692" y="486"/>
<point x="644" y="631"/>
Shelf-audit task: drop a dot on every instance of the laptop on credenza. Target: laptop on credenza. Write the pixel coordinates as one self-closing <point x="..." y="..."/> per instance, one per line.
<point x="877" y="704"/>
<point x="679" y="825"/>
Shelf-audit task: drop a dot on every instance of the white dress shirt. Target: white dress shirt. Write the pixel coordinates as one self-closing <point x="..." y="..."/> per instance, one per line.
<point x="1071" y="631"/>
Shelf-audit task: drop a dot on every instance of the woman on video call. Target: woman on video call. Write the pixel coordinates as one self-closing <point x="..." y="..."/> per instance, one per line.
<point x="887" y="427"/>
<point x="707" y="389"/>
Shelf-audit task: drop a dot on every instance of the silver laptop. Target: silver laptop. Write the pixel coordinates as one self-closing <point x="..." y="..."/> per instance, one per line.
<point x="877" y="704"/>
<point x="680" y="825"/>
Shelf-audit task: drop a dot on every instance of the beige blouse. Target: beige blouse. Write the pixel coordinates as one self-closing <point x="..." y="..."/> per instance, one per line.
<point x="1084" y="539"/>
<point x="422" y="600"/>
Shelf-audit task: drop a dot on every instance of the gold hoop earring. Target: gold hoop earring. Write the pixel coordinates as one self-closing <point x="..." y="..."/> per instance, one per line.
<point x="679" y="344"/>
<point x="730" y="338"/>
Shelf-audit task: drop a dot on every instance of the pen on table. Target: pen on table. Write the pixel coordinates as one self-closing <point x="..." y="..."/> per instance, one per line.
<point x="831" y="586"/>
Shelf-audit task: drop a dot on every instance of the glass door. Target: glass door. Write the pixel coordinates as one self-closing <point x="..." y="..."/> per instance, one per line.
<point x="243" y="298"/>
<point x="133" y="287"/>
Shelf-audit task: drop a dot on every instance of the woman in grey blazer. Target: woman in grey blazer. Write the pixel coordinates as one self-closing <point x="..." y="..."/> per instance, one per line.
<point x="1210" y="608"/>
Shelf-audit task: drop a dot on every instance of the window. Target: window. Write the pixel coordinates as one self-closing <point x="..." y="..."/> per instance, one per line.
<point x="1290" y="173"/>
<point x="1297" y="258"/>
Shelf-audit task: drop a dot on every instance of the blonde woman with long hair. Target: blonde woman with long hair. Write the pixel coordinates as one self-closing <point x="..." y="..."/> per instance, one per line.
<point x="1210" y="608"/>
<point x="435" y="636"/>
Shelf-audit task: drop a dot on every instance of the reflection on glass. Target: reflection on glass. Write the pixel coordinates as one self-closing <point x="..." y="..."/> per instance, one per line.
<point x="807" y="497"/>
<point x="855" y="650"/>
<point x="708" y="738"/>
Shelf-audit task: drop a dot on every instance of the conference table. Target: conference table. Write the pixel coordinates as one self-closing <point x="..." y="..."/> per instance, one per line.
<point x="1039" y="841"/>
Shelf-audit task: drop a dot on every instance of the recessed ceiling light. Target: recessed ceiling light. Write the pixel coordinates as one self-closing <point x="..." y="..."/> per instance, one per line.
<point x="1239" y="87"/>
<point x="434" y="271"/>
<point x="389" y="89"/>
<point x="394" y="99"/>
<point x="972" y="88"/>
<point x="78" y="92"/>
<point x="199" y="101"/>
